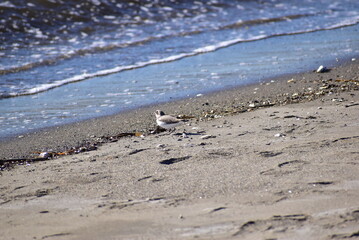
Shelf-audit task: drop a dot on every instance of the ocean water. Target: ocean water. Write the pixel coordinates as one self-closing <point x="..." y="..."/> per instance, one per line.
<point x="65" y="61"/>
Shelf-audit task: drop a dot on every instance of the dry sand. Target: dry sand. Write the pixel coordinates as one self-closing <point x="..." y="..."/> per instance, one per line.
<point x="289" y="171"/>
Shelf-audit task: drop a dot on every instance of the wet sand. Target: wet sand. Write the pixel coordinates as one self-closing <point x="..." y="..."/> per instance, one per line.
<point x="277" y="160"/>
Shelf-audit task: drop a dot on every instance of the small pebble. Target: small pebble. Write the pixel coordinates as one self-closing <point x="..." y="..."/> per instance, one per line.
<point x="321" y="69"/>
<point x="279" y="135"/>
<point x="44" y="155"/>
<point x="207" y="137"/>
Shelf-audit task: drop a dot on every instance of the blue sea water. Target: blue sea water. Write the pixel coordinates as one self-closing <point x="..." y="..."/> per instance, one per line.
<point x="62" y="62"/>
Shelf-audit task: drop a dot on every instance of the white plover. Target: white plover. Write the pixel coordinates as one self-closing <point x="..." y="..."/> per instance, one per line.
<point x="167" y="121"/>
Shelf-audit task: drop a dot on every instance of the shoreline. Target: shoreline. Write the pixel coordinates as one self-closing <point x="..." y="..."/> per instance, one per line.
<point x="238" y="99"/>
<point x="253" y="61"/>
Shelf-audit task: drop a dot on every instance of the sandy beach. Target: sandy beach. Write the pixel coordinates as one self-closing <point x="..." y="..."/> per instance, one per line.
<point x="276" y="160"/>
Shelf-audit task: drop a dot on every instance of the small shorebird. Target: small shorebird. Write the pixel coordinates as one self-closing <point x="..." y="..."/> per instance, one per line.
<point x="167" y="121"/>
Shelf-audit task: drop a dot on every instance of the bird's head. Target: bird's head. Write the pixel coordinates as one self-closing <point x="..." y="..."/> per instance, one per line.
<point x="159" y="113"/>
